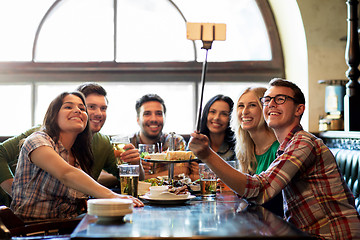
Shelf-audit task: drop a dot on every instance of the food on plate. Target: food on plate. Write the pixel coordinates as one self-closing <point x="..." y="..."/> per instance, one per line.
<point x="155" y="181"/>
<point x="181" y="183"/>
<point x="178" y="190"/>
<point x="145" y="155"/>
<point x="179" y="155"/>
<point x="169" y="155"/>
<point x="157" y="156"/>
<point x="179" y="180"/>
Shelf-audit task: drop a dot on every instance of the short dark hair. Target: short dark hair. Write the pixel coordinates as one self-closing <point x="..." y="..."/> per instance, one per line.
<point x="92" y="88"/>
<point x="298" y="94"/>
<point x="149" y="98"/>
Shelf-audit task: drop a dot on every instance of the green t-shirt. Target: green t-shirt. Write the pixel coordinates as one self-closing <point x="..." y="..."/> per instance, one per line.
<point x="267" y="158"/>
<point x="104" y="157"/>
<point x="103" y="152"/>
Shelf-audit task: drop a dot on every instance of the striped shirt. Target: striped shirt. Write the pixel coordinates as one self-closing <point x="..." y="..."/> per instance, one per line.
<point x="316" y="197"/>
<point x="38" y="195"/>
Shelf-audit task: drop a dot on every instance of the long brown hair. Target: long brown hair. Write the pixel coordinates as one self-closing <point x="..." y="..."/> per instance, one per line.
<point x="245" y="146"/>
<point x="81" y="148"/>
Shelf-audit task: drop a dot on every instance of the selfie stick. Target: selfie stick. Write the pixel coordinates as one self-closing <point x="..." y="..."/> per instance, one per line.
<point x="206" y="46"/>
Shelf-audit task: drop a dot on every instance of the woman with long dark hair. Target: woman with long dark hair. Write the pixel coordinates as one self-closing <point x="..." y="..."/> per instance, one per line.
<point x="215" y="124"/>
<point x="51" y="178"/>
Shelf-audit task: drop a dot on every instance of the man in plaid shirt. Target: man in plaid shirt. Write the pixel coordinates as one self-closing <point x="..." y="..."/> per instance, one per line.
<point x="316" y="197"/>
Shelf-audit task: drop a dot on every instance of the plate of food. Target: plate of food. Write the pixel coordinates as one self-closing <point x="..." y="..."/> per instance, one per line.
<point x="170" y="156"/>
<point x="166" y="200"/>
<point x="167" y="195"/>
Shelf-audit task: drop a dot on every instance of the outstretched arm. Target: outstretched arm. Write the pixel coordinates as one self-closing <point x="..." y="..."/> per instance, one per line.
<point x="199" y="145"/>
<point x="47" y="159"/>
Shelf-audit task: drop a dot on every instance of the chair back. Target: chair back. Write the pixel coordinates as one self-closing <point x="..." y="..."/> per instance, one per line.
<point x="12" y="225"/>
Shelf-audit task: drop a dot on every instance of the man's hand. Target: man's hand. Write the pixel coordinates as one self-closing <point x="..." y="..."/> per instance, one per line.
<point x="131" y="155"/>
<point x="148" y="166"/>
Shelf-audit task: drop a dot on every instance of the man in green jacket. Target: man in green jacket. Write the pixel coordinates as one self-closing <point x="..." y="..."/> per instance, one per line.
<point x="96" y="103"/>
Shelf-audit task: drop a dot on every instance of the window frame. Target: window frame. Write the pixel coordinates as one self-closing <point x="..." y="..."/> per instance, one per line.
<point x="189" y="72"/>
<point x="228" y="71"/>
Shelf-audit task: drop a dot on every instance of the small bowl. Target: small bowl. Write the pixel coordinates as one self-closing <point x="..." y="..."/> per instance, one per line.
<point x="155" y="191"/>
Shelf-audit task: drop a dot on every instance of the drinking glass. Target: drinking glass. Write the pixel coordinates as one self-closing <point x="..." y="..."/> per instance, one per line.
<point x="208" y="181"/>
<point x="129" y="179"/>
<point x="147" y="148"/>
<point x="234" y="164"/>
<point x="118" y="143"/>
<point x="222" y="185"/>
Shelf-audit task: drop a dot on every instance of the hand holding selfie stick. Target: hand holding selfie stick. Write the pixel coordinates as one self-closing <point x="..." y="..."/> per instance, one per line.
<point x="207" y="33"/>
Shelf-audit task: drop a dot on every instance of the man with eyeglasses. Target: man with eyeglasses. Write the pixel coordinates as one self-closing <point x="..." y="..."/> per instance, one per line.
<point x="316" y="197"/>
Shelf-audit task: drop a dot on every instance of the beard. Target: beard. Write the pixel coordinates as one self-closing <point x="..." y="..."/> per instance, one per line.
<point x="152" y="136"/>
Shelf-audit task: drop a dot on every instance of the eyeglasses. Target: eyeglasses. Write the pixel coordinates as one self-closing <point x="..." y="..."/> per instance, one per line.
<point x="278" y="99"/>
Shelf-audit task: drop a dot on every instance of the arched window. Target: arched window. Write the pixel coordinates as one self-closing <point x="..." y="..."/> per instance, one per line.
<point x="133" y="47"/>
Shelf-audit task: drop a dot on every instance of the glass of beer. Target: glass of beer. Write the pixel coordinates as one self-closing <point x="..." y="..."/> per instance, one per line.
<point x="208" y="181"/>
<point x="223" y="186"/>
<point x="118" y="143"/>
<point x="129" y="179"/>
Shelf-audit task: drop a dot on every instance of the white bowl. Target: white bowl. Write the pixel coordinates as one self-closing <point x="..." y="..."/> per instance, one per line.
<point x="155" y="191"/>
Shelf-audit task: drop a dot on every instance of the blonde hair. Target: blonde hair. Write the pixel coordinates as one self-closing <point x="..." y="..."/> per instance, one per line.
<point x="245" y="146"/>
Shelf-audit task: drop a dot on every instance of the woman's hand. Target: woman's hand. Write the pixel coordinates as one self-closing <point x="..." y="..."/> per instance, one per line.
<point x="136" y="201"/>
<point x="199" y="145"/>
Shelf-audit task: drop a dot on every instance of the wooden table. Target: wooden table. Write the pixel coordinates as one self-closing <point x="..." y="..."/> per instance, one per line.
<point x="198" y="218"/>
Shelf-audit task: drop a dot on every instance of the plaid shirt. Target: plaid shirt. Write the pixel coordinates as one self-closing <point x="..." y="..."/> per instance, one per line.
<point x="163" y="141"/>
<point x="37" y="194"/>
<point x="316" y="197"/>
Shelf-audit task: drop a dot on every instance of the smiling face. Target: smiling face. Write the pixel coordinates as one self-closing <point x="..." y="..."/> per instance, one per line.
<point x="151" y="119"/>
<point x="96" y="105"/>
<point x="249" y="112"/>
<point x="72" y="116"/>
<point x="218" y="117"/>
<point x="285" y="116"/>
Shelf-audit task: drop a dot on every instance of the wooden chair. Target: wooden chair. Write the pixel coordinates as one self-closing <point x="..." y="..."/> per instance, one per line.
<point x="12" y="226"/>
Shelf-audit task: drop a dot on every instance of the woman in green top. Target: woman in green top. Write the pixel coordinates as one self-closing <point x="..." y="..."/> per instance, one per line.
<point x="256" y="143"/>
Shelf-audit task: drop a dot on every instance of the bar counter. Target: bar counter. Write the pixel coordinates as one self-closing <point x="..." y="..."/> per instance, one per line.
<point x="222" y="217"/>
